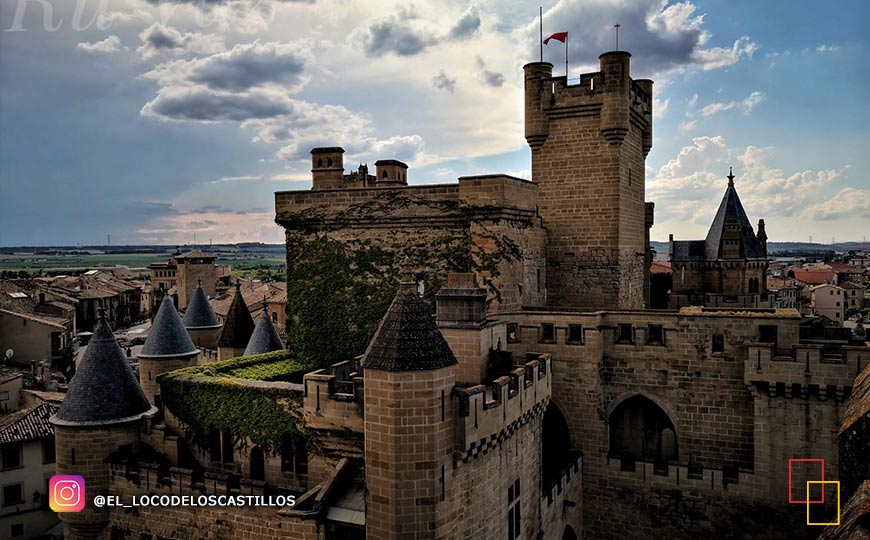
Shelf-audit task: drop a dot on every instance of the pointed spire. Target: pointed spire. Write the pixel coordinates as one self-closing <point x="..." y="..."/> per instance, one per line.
<point x="265" y="337"/>
<point x="730" y="177"/>
<point x="238" y="326"/>
<point x="731" y="212"/>
<point x="168" y="336"/>
<point x="104" y="389"/>
<point x="408" y="338"/>
<point x="199" y="313"/>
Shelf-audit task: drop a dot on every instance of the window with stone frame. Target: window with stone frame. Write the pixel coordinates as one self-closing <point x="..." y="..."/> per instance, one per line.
<point x="513" y="333"/>
<point x="10" y="456"/>
<point x="575" y="334"/>
<point x="48" y="455"/>
<point x="655" y="334"/>
<point x="548" y="333"/>
<point x="514" y="507"/>
<point x="624" y="333"/>
<point x="718" y="345"/>
<point x="767" y="333"/>
<point x="13" y="494"/>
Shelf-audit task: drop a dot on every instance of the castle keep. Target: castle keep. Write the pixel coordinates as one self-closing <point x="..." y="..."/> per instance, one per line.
<point x="475" y="360"/>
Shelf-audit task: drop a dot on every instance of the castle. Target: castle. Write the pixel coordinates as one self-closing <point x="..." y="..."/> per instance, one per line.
<point x="542" y="400"/>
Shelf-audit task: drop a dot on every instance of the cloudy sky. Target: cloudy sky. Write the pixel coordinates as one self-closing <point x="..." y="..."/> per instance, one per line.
<point x="153" y="119"/>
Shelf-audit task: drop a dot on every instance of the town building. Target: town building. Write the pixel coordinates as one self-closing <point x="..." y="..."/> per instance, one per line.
<point x="829" y="301"/>
<point x="475" y="360"/>
<point x="180" y="275"/>
<point x="37" y="324"/>
<point x="27" y="461"/>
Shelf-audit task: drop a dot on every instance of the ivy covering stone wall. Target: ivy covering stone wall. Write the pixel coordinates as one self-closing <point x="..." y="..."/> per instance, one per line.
<point x="220" y="397"/>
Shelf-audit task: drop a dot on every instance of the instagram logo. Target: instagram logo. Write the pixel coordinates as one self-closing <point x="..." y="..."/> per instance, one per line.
<point x="66" y="493"/>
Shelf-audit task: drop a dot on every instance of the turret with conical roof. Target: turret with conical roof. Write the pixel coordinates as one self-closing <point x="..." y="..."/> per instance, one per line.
<point x="265" y="338"/>
<point x="726" y="269"/>
<point x="103" y="410"/>
<point x="200" y="320"/>
<point x="409" y="373"/>
<point x="237" y="330"/>
<point x="167" y="348"/>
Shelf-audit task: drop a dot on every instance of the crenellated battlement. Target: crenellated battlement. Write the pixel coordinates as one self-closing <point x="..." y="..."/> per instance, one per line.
<point x="488" y="414"/>
<point x="805" y="368"/>
<point x="674" y="476"/>
<point x="333" y="398"/>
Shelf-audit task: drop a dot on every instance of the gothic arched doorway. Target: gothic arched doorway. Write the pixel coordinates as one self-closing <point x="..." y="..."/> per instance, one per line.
<point x="641" y="430"/>
<point x="556" y="444"/>
<point x="569" y="533"/>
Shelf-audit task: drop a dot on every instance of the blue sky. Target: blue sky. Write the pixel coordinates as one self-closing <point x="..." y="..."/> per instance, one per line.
<point x="153" y="119"/>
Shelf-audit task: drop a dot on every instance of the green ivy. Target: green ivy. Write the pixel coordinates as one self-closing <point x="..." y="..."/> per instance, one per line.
<point x="215" y="397"/>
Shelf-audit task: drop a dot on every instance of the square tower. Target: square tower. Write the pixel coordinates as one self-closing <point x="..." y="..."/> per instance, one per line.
<point x="589" y="143"/>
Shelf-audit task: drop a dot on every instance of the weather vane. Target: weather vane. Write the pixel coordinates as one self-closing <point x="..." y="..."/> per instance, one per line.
<point x="616" y="26"/>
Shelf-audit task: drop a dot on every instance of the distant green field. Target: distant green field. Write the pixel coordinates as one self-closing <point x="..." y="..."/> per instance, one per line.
<point x="133" y="260"/>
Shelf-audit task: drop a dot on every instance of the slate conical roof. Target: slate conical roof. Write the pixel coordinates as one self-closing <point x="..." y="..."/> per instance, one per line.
<point x="238" y="326"/>
<point x="265" y="337"/>
<point x="104" y="389"/>
<point x="731" y="210"/>
<point x="168" y="336"/>
<point x="408" y="338"/>
<point x="199" y="313"/>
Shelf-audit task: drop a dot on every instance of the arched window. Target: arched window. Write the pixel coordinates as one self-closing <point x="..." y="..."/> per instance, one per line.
<point x="384" y="174"/>
<point x="319" y="162"/>
<point x="641" y="430"/>
<point x="258" y="464"/>
<point x="569" y="533"/>
<point x="556" y="444"/>
<point x="329" y="162"/>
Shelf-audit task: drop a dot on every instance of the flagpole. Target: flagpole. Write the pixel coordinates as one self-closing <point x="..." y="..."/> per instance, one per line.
<point x="566" y="60"/>
<point x="541" y="21"/>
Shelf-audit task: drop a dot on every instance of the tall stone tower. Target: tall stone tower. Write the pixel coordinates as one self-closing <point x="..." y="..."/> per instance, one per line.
<point x="194" y="269"/>
<point x="589" y="143"/>
<point x="102" y="412"/>
<point x="409" y="374"/>
<point x="167" y="348"/>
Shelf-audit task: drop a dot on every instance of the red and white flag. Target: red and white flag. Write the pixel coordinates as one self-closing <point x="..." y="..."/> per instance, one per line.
<point x="558" y="36"/>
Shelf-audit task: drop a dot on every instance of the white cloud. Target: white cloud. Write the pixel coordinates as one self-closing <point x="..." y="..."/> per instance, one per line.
<point x="159" y="40"/>
<point x="108" y="45"/>
<point x="686" y="127"/>
<point x="660" y="107"/>
<point x="662" y="37"/>
<point x="687" y="190"/>
<point x="243" y="67"/>
<point x="718" y="57"/>
<point x="827" y="48"/>
<point x="746" y="105"/>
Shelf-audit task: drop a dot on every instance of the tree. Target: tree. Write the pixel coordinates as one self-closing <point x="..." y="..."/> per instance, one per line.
<point x="859" y="330"/>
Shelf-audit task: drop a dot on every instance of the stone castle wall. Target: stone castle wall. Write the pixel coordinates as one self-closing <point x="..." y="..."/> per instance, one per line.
<point x="725" y="419"/>
<point x="486" y="225"/>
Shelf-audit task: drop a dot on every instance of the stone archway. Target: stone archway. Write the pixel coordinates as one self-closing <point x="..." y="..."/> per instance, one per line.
<point x="555" y="444"/>
<point x="641" y="430"/>
<point x="569" y="533"/>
